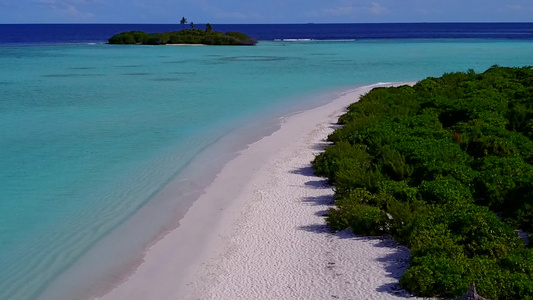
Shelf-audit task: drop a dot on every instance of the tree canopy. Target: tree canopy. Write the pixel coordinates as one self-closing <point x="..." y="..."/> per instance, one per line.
<point x="446" y="168"/>
<point x="186" y="36"/>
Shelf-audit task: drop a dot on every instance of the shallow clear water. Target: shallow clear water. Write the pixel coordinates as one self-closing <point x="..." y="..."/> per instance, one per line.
<point x="90" y="133"/>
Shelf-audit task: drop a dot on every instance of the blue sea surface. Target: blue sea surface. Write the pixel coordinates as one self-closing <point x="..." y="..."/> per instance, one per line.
<point x="90" y="133"/>
<point x="98" y="33"/>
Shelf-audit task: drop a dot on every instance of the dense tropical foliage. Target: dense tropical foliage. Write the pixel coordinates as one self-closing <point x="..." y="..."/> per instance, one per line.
<point x="446" y="168"/>
<point x="185" y="36"/>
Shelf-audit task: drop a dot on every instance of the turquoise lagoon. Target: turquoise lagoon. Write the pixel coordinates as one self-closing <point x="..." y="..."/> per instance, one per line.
<point x="91" y="133"/>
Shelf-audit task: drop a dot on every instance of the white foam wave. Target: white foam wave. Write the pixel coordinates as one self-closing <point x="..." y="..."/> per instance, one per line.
<point x="293" y="40"/>
<point x="314" y="40"/>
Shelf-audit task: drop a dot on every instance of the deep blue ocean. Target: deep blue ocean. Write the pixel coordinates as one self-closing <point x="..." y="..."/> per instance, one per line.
<point x="91" y="133"/>
<point x="97" y="33"/>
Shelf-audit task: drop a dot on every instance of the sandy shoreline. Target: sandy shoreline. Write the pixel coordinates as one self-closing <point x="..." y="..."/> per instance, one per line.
<point x="258" y="231"/>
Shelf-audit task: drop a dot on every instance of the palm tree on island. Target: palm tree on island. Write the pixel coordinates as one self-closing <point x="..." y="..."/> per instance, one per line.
<point x="183" y="21"/>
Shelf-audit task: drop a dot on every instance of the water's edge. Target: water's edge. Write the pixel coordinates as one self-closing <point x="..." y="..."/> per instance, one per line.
<point x="117" y="255"/>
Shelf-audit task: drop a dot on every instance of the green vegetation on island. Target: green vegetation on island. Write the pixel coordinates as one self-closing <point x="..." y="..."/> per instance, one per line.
<point x="446" y="168"/>
<point x="184" y="36"/>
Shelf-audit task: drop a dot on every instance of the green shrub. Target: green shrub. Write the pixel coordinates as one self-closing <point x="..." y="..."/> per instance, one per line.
<point x="393" y="164"/>
<point x="433" y="275"/>
<point x="131" y="37"/>
<point x="502" y="178"/>
<point x="361" y="219"/>
<point x="341" y="156"/>
<point x="446" y="168"/>
<point x="186" y="36"/>
<point x="445" y="190"/>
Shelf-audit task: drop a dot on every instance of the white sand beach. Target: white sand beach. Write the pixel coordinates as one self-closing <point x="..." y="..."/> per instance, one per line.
<point x="258" y="232"/>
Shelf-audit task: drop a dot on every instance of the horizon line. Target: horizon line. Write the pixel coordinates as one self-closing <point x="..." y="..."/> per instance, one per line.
<point x="301" y="23"/>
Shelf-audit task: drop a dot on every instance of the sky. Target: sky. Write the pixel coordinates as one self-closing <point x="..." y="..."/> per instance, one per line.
<point x="264" y="11"/>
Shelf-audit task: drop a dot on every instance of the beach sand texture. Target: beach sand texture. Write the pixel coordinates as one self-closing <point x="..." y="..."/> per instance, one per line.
<point x="258" y="232"/>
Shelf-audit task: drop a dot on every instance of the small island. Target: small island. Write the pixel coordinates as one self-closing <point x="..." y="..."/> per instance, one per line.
<point x="185" y="36"/>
